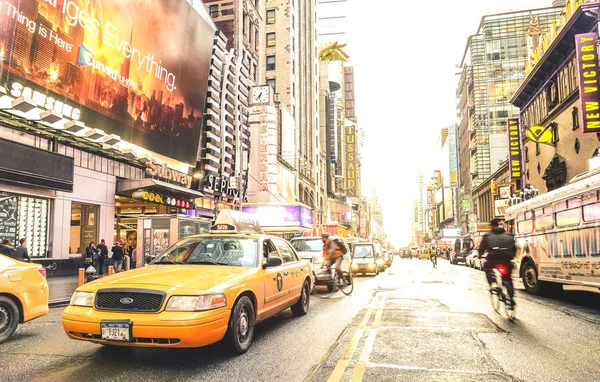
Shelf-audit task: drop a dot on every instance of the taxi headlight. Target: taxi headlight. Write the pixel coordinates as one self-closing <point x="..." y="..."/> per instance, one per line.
<point x="354" y="266"/>
<point x="82" y="299"/>
<point x="371" y="265"/>
<point x="196" y="303"/>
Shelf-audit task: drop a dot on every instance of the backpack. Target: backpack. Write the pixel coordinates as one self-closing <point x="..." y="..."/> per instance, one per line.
<point x="502" y="246"/>
<point x="342" y="246"/>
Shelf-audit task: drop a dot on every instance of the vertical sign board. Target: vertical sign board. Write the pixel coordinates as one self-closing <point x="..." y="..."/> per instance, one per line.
<point x="263" y="161"/>
<point x="589" y="91"/>
<point x="349" y="92"/>
<point x="350" y="151"/>
<point x="515" y="149"/>
<point x="453" y="163"/>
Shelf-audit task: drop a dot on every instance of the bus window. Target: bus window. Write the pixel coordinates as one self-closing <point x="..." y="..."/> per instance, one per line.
<point x="544" y="222"/>
<point x="525" y="226"/>
<point x="567" y="218"/>
<point x="589" y="197"/>
<point x="576" y="202"/>
<point x="591" y="212"/>
<point x="560" y="206"/>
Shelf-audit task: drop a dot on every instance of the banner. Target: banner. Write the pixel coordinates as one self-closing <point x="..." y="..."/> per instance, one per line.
<point x="349" y="92"/>
<point x="515" y="147"/>
<point x="453" y="161"/>
<point x="138" y="69"/>
<point x="351" y="162"/>
<point x="589" y="88"/>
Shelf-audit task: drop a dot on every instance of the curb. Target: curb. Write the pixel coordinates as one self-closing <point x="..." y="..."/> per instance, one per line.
<point x="59" y="302"/>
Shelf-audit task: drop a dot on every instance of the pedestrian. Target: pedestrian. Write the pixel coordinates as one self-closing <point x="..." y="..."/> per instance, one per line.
<point x="22" y="254"/>
<point x="7" y="249"/>
<point x="90" y="254"/>
<point x="102" y="251"/>
<point x="117" y="257"/>
<point x="133" y="258"/>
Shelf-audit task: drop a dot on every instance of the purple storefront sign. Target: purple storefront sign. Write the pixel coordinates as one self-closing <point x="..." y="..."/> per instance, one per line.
<point x="589" y="87"/>
<point x="515" y="149"/>
<point x="281" y="216"/>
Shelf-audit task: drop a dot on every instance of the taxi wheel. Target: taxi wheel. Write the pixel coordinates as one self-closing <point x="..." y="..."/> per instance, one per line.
<point x="301" y="307"/>
<point x="241" y="326"/>
<point x="9" y="318"/>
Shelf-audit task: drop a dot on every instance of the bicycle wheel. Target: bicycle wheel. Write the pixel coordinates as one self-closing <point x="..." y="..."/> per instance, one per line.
<point x="509" y="305"/>
<point x="495" y="298"/>
<point x="347" y="287"/>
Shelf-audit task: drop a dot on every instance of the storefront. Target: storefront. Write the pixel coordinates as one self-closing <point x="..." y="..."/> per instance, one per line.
<point x="284" y="220"/>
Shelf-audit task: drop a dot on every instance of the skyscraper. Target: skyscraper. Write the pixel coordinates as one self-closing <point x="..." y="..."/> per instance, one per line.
<point x="332" y="20"/>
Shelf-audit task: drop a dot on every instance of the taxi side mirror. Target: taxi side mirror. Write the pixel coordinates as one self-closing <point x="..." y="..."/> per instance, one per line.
<point x="272" y="261"/>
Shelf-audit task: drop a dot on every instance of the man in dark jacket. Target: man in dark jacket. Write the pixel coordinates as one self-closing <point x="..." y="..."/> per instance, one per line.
<point x="117" y="257"/>
<point x="501" y="249"/>
<point x="22" y="253"/>
<point x="6" y="249"/>
<point x="102" y="255"/>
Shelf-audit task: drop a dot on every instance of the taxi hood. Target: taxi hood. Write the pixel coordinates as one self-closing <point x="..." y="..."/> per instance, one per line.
<point x="167" y="277"/>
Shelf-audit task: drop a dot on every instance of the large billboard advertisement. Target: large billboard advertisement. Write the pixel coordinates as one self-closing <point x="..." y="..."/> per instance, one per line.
<point x="452" y="160"/>
<point x="281" y="216"/>
<point x="138" y="69"/>
<point x="589" y="89"/>
<point x="515" y="148"/>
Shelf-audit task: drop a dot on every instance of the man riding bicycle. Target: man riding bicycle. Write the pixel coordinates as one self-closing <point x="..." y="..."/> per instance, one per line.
<point x="501" y="249"/>
<point x="332" y="254"/>
<point x="433" y="255"/>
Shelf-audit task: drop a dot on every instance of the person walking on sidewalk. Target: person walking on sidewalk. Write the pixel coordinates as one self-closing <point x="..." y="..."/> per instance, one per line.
<point x="7" y="249"/>
<point x="22" y="254"/>
<point x="102" y="251"/>
<point x="117" y="257"/>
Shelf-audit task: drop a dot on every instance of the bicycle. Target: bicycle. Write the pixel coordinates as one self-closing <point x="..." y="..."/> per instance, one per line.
<point x="345" y="284"/>
<point x="499" y="293"/>
<point x="434" y="261"/>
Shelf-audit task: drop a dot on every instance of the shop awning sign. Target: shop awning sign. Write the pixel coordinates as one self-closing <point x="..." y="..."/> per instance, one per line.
<point x="540" y="134"/>
<point x="589" y="86"/>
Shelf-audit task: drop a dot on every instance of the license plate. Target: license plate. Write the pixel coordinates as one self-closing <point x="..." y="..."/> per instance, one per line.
<point x="116" y="331"/>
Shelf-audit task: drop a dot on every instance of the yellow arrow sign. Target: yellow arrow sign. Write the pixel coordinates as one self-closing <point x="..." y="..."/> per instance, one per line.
<point x="539" y="134"/>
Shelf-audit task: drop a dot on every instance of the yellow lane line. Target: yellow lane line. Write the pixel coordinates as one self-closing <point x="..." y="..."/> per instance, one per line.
<point x="336" y="374"/>
<point x="359" y="372"/>
<point x="352" y="344"/>
<point x="379" y="313"/>
<point x="365" y="320"/>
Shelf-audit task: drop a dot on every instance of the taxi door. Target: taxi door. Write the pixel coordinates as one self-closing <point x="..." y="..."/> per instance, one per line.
<point x="294" y="269"/>
<point x="276" y="289"/>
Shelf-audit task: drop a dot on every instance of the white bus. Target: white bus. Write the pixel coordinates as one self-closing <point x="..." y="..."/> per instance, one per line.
<point x="558" y="235"/>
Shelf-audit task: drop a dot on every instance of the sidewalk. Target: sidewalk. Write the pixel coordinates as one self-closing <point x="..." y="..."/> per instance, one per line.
<point x="61" y="288"/>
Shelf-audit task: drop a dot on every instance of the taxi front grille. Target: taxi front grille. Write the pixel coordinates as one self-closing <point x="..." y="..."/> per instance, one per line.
<point x="129" y="300"/>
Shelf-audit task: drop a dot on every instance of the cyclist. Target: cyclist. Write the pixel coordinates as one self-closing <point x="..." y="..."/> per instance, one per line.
<point x="501" y="249"/>
<point x="335" y="254"/>
<point x="433" y="255"/>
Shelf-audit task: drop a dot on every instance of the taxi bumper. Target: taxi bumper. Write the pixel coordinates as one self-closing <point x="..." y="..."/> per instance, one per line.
<point x="163" y="329"/>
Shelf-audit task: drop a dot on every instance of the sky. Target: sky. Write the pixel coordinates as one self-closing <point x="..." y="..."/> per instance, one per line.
<point x="405" y="55"/>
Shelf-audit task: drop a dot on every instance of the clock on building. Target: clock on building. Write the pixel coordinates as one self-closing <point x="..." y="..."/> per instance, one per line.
<point x="261" y="94"/>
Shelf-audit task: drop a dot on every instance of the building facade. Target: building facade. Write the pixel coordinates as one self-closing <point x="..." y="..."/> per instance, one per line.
<point x="492" y="67"/>
<point x="552" y="100"/>
<point x="332" y="20"/>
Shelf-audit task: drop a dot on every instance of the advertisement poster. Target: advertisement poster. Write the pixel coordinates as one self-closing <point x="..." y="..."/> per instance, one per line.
<point x="500" y="206"/>
<point x="8" y="217"/>
<point x="138" y="69"/>
<point x="281" y="216"/>
<point x="589" y="89"/>
<point x="515" y="149"/>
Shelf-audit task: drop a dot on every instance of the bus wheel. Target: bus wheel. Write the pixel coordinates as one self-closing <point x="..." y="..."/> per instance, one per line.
<point x="530" y="279"/>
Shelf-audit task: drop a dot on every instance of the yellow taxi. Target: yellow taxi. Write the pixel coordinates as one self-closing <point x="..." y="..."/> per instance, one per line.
<point x="424" y="253"/>
<point x="204" y="289"/>
<point x="23" y="294"/>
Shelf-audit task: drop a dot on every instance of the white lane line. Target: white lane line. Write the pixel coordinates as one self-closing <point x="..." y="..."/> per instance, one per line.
<point x="416" y="368"/>
<point x="368" y="346"/>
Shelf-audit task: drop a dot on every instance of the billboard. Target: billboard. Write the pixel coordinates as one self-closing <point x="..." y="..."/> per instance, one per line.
<point x="281" y="216"/>
<point x="351" y="161"/>
<point x="138" y="69"/>
<point x="349" y="92"/>
<point x="452" y="161"/>
<point x="589" y="92"/>
<point x="515" y="149"/>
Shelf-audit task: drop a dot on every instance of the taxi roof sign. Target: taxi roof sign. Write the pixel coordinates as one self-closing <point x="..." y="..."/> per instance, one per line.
<point x="230" y="221"/>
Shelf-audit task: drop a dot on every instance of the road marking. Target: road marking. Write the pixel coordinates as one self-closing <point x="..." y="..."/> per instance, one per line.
<point x="368" y="346"/>
<point x="377" y="320"/>
<point x="365" y="320"/>
<point x="417" y="368"/>
<point x="359" y="372"/>
<point x="337" y="373"/>
<point x="352" y="345"/>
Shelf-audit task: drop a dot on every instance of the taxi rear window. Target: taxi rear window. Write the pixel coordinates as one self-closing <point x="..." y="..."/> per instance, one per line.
<point x="228" y="251"/>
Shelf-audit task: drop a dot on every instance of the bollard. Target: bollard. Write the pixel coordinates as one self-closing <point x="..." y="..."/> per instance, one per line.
<point x="80" y="277"/>
<point x="111" y="270"/>
<point x="127" y="263"/>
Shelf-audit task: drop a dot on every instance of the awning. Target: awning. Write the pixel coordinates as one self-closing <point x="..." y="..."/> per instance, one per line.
<point x="129" y="186"/>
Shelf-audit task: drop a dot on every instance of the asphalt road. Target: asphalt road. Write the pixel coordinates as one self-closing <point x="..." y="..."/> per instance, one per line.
<point x="411" y="323"/>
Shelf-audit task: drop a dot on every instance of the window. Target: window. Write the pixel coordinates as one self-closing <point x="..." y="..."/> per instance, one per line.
<point x="525" y="226"/>
<point x="270" y="62"/>
<point x="214" y="11"/>
<point x="286" y="252"/>
<point x="567" y="218"/>
<point x="526" y="154"/>
<point x="271" y="39"/>
<point x="543" y="222"/>
<point x="591" y="212"/>
<point x="271" y="83"/>
<point x="555" y="137"/>
<point x="84" y="226"/>
<point x="575" y="118"/>
<point x="269" y="249"/>
<point x="271" y="16"/>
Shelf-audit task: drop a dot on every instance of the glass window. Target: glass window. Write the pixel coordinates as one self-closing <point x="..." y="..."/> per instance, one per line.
<point x="271" y="39"/>
<point x="308" y="245"/>
<point x="568" y="218"/>
<point x="270" y="62"/>
<point x="285" y="251"/>
<point x="271" y="16"/>
<point x="525" y="226"/>
<point x="214" y="11"/>
<point x="213" y="250"/>
<point x="591" y="212"/>
<point x="575" y="202"/>
<point x="544" y="222"/>
<point x="84" y="227"/>
<point x="269" y="249"/>
<point x="363" y="251"/>
<point x="271" y="83"/>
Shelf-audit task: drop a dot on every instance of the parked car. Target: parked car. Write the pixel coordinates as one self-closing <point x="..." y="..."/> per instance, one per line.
<point x="415" y="251"/>
<point x="471" y="258"/>
<point x="365" y="259"/>
<point x="24" y="294"/>
<point x="462" y="248"/>
<point x="479" y="261"/>
<point x="406" y="254"/>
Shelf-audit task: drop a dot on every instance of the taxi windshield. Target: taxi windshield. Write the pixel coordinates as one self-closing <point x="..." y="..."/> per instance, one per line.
<point x="308" y="245"/>
<point x="231" y="251"/>
<point x="361" y="251"/>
